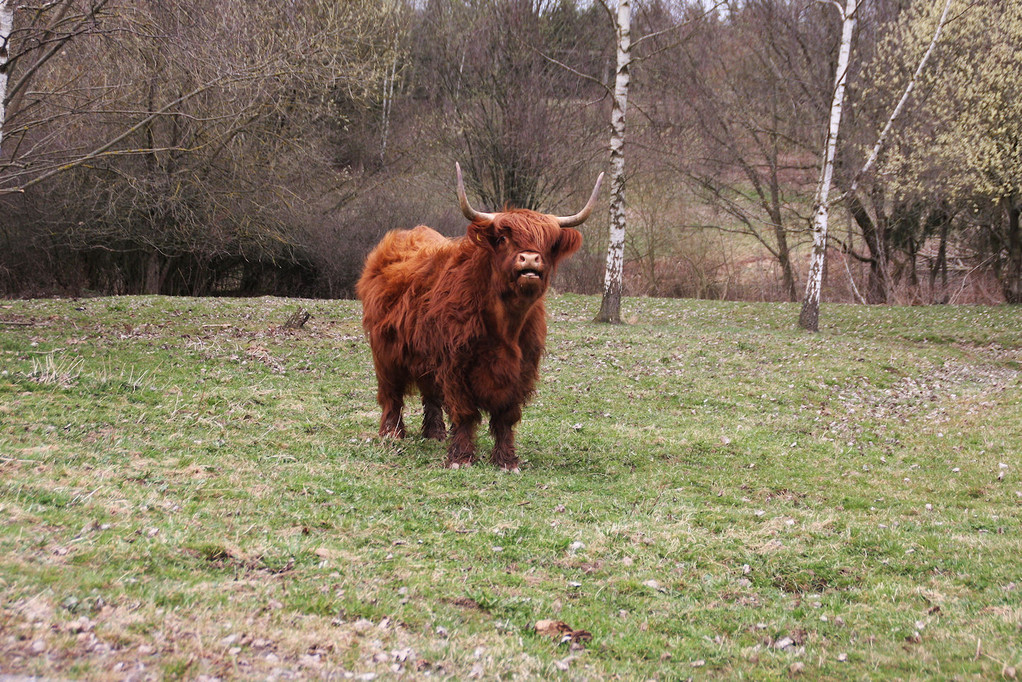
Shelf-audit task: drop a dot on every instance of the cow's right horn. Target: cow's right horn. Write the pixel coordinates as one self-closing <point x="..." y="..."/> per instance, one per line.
<point x="580" y="217"/>
<point x="470" y="213"/>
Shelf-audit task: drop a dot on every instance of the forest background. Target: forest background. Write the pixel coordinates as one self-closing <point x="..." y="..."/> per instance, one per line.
<point x="208" y="147"/>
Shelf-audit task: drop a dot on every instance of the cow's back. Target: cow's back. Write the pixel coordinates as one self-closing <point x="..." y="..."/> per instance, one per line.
<point x="397" y="273"/>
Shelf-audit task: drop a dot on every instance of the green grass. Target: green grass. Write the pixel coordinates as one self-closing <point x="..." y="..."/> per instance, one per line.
<point x="708" y="491"/>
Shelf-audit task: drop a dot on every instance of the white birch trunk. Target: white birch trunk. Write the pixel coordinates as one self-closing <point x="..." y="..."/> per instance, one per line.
<point x="613" y="282"/>
<point x="810" y="316"/>
<point x="388" y="98"/>
<point x="6" y="28"/>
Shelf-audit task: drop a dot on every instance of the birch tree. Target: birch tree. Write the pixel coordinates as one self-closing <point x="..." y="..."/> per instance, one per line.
<point x="810" y="315"/>
<point x="6" y="28"/>
<point x="809" y="318"/>
<point x="613" y="282"/>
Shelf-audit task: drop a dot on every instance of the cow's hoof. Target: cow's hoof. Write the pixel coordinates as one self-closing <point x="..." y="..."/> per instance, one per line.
<point x="395" y="432"/>
<point x="508" y="464"/>
<point x="458" y="464"/>
<point x="435" y="434"/>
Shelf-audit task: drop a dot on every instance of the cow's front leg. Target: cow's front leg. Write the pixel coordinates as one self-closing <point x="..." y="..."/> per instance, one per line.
<point x="461" y="447"/>
<point x="502" y="425"/>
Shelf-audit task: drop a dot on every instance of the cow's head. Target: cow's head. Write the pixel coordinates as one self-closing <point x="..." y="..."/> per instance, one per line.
<point x="526" y="246"/>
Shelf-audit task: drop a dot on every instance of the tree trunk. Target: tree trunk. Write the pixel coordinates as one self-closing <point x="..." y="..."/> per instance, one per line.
<point x="388" y="101"/>
<point x="613" y="282"/>
<point x="1011" y="275"/>
<point x="156" y="269"/>
<point x="809" y="318"/>
<point x="783" y="251"/>
<point x="774" y="207"/>
<point x="787" y="272"/>
<point x="939" y="266"/>
<point x="877" y="287"/>
<point x="6" y="28"/>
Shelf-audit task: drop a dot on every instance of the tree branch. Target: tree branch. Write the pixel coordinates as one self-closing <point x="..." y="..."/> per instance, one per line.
<point x="54" y="49"/>
<point x="680" y="24"/>
<point x="103" y="149"/>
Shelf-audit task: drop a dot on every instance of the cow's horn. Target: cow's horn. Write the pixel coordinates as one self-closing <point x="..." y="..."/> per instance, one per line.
<point x="580" y="217"/>
<point x="470" y="213"/>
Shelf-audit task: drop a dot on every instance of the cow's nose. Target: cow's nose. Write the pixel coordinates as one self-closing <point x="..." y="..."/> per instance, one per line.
<point x="527" y="260"/>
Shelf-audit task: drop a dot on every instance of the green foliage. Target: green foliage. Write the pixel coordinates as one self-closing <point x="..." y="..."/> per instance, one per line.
<point x="968" y="124"/>
<point x="707" y="491"/>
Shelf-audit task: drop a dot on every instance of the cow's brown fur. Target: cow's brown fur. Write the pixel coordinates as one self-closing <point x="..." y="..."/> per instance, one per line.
<point x="457" y="319"/>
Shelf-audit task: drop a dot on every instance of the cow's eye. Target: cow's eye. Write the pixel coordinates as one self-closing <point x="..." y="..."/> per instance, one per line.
<point x="501" y="240"/>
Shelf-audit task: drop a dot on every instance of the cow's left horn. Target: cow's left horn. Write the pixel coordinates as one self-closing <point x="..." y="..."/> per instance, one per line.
<point x="470" y="213"/>
<point x="580" y="217"/>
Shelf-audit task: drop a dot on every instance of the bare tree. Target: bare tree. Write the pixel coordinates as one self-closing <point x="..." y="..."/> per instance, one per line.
<point x="521" y="125"/>
<point x="756" y="100"/>
<point x="187" y="157"/>
<point x="42" y="33"/>
<point x="613" y="285"/>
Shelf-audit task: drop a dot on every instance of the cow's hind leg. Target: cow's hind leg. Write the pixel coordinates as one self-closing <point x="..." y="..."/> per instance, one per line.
<point x="432" y="408"/>
<point x="502" y="425"/>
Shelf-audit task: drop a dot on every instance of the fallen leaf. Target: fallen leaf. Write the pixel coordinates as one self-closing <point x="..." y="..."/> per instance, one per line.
<point x="552" y="628"/>
<point x="563" y="632"/>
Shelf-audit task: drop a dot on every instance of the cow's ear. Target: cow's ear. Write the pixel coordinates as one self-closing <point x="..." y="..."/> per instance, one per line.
<point x="567" y="243"/>
<point x="482" y="235"/>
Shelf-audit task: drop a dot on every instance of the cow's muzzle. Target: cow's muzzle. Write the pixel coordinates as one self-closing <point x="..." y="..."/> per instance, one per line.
<point x="528" y="265"/>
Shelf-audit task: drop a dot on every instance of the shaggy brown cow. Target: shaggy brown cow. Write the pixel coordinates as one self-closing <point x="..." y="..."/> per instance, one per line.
<point x="463" y="320"/>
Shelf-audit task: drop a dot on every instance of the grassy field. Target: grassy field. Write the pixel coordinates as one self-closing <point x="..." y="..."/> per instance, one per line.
<point x="187" y="491"/>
